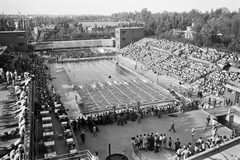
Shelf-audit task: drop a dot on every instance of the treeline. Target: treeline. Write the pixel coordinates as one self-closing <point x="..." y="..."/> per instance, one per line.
<point x="218" y="29"/>
<point x="7" y="24"/>
<point x="11" y="24"/>
<point x="63" y="31"/>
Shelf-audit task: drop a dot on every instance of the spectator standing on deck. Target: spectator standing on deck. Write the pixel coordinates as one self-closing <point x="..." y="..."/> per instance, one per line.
<point x="170" y="143"/>
<point x="73" y="86"/>
<point x="8" y="76"/>
<point x="144" y="142"/>
<point x="76" y="96"/>
<point x="208" y="120"/>
<point x="177" y="144"/>
<point x="79" y="123"/>
<point x="214" y="131"/>
<point x="83" y="123"/>
<point x="193" y="133"/>
<point x="95" y="156"/>
<point x="139" y="117"/>
<point x="206" y="124"/>
<point x="74" y="125"/>
<point x="94" y="131"/>
<point x="172" y="127"/>
<point x="82" y="136"/>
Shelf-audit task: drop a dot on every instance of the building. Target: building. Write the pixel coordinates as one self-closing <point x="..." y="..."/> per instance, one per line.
<point x="126" y="36"/>
<point x="188" y="33"/>
<point x="18" y="39"/>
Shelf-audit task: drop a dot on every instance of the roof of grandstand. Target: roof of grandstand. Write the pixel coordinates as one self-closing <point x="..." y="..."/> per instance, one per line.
<point x="12" y="32"/>
<point x="143" y="41"/>
<point x="130" y="28"/>
<point x="75" y="44"/>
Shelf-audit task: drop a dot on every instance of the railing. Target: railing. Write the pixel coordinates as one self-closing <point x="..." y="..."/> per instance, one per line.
<point x="217" y="113"/>
<point x="80" y="155"/>
<point x="29" y="138"/>
<point x="75" y="44"/>
<point x="215" y="150"/>
<point x="137" y="153"/>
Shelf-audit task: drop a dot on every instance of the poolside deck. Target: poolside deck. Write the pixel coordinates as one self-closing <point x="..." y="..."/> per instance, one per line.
<point x="120" y="136"/>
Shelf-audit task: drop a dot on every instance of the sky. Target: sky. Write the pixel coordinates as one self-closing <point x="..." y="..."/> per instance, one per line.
<point x="108" y="7"/>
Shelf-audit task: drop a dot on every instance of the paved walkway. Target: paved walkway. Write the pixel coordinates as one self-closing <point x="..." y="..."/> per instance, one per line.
<point x="63" y="86"/>
<point x="60" y="143"/>
<point x="120" y="136"/>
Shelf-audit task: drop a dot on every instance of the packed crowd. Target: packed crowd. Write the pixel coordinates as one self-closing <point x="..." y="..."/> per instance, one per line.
<point x="123" y="116"/>
<point x="163" y="63"/>
<point x="157" y="142"/>
<point x="214" y="82"/>
<point x="231" y="58"/>
<point x="207" y="54"/>
<point x="209" y="78"/>
<point x="20" y="79"/>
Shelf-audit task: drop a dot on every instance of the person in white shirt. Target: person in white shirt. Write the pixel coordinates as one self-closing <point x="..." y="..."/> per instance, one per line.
<point x="8" y="76"/>
<point x="199" y="140"/>
<point x="193" y="133"/>
<point x="95" y="156"/>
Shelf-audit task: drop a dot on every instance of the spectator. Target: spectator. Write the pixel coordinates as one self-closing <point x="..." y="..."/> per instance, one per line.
<point x="95" y="156"/>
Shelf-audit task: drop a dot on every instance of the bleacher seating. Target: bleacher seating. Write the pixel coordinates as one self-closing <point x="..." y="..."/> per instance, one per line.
<point x="76" y="44"/>
<point x="96" y="43"/>
<point x="88" y="43"/>
<point x="107" y="43"/>
<point x="68" y="44"/>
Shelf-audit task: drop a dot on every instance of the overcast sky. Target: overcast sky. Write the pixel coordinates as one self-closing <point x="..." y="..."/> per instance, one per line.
<point x="107" y="7"/>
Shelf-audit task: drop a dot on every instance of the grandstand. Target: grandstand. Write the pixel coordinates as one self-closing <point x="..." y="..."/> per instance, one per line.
<point x="144" y="41"/>
<point x="74" y="44"/>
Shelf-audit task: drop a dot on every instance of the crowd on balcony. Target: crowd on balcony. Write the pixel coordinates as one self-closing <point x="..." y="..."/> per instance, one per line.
<point x="20" y="80"/>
